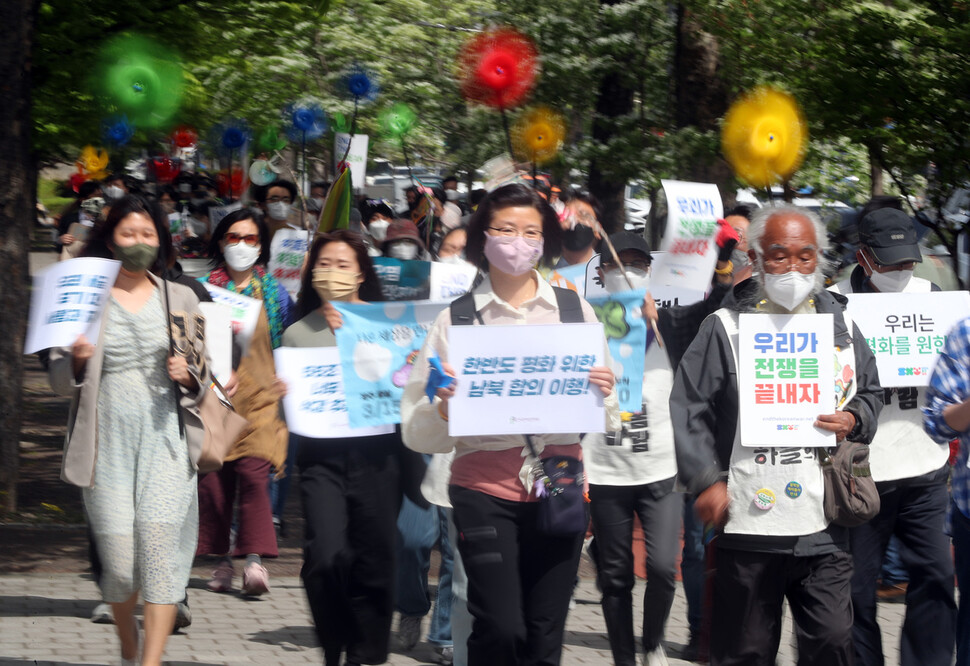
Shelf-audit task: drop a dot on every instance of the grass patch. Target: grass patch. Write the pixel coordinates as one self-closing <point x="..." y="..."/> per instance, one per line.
<point x="50" y="193"/>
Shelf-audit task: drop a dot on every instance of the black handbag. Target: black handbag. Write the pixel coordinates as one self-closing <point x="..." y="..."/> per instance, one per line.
<point x="559" y="482"/>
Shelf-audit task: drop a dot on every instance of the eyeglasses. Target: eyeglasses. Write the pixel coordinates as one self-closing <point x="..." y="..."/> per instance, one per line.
<point x="508" y="232"/>
<point x="639" y="264"/>
<point x="249" y="239"/>
<point x="286" y="200"/>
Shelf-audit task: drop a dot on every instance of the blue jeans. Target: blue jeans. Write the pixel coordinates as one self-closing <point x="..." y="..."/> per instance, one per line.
<point x="418" y="531"/>
<point x="692" y="565"/>
<point x="893" y="572"/>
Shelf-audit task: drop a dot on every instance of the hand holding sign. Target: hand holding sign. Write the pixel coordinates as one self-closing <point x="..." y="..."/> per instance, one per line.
<point x="841" y="423"/>
<point x="81" y="352"/>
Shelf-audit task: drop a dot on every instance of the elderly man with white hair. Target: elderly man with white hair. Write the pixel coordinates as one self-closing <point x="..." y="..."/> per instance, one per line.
<point x="787" y="549"/>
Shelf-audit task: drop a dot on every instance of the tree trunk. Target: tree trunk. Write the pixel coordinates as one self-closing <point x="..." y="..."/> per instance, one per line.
<point x="875" y="170"/>
<point x="18" y="184"/>
<point x="614" y="100"/>
<point x="701" y="98"/>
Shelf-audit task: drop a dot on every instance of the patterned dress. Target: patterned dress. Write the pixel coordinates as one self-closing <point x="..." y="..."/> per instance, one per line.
<point x="143" y="506"/>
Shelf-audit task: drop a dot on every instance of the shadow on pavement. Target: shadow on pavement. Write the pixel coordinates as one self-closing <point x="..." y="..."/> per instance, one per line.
<point x="30" y="606"/>
<point x="291" y="639"/>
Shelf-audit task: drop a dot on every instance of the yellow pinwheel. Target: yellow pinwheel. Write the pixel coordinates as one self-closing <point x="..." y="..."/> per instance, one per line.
<point x="538" y="135"/>
<point x="95" y="162"/>
<point x="764" y="136"/>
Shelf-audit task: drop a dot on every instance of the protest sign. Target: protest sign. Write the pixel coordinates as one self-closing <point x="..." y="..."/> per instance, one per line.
<point x="314" y="403"/>
<point x="626" y="334"/>
<point x="591" y="285"/>
<point x="286" y="254"/>
<point x="525" y="379"/>
<point x="785" y="379"/>
<point x="690" y="250"/>
<point x="356" y="158"/>
<point x="67" y="301"/>
<point x="403" y="280"/>
<point x="216" y="213"/>
<point x="907" y="331"/>
<point x="449" y="281"/>
<point x="245" y="312"/>
<point x="378" y="344"/>
<point x="218" y="338"/>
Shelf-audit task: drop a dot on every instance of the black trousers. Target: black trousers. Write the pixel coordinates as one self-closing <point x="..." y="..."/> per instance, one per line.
<point x="659" y="510"/>
<point x="351" y="498"/>
<point x="519" y="581"/>
<point x="746" y="613"/>
<point x="917" y="516"/>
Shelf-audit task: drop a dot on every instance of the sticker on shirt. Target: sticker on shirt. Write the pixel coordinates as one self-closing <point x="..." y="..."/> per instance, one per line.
<point x="764" y="499"/>
<point x="793" y="489"/>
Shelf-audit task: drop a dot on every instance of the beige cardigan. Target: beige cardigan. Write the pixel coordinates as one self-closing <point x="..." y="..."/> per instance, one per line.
<point x="81" y="443"/>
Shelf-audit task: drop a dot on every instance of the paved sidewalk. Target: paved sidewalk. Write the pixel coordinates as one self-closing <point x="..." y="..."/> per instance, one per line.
<point x="45" y="619"/>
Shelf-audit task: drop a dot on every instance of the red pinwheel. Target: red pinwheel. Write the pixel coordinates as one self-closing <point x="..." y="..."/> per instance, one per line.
<point x="184" y="137"/>
<point x="231" y="187"/>
<point x="165" y="168"/>
<point x="498" y="68"/>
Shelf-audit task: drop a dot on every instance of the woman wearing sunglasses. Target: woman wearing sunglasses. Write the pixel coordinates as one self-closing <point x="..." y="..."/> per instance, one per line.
<point x="239" y="250"/>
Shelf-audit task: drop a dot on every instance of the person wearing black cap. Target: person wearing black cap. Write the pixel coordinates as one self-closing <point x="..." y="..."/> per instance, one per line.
<point x="911" y="472"/>
<point x="632" y="471"/>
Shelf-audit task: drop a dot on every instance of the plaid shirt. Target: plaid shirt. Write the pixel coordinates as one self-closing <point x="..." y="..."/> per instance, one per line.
<point x="950" y="385"/>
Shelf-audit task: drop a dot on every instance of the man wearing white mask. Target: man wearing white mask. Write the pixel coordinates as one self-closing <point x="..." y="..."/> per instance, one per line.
<point x="114" y="187"/>
<point x="632" y="471"/>
<point x="403" y="242"/>
<point x="276" y="200"/>
<point x="911" y="472"/>
<point x="768" y="550"/>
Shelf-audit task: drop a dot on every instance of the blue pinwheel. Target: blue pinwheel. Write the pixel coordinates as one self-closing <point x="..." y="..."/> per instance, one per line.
<point x="116" y="130"/>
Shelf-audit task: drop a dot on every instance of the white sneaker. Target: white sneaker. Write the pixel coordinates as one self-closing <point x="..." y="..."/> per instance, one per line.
<point x="102" y="614"/>
<point x="656" y="657"/>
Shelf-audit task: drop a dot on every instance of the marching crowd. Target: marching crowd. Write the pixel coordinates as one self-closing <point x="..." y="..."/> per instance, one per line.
<point x="376" y="505"/>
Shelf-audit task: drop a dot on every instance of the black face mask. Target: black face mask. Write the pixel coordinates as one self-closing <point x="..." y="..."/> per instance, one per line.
<point x="578" y="238"/>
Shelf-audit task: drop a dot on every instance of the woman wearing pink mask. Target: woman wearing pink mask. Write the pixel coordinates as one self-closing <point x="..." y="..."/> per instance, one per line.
<point x="519" y="580"/>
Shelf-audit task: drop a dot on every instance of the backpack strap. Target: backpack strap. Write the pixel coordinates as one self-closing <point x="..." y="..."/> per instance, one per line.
<point x="463" y="312"/>
<point x="570" y="307"/>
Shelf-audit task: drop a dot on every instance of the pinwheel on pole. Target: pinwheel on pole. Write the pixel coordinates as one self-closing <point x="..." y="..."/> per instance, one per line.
<point x="232" y="136"/>
<point x="139" y="78"/>
<point x="764" y="137"/>
<point x="306" y="121"/>
<point x="361" y="86"/>
<point x="117" y="132"/>
<point x="537" y="137"/>
<point x="498" y="68"/>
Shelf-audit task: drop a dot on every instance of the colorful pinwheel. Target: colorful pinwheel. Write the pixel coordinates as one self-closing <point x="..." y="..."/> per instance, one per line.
<point x="184" y="136"/>
<point x="764" y="136"/>
<point x="397" y="121"/>
<point x="359" y="85"/>
<point x="498" y="68"/>
<point x="117" y="131"/>
<point x="538" y="134"/>
<point x="94" y="161"/>
<point x="305" y="121"/>
<point x="262" y="172"/>
<point x="269" y="140"/>
<point x="140" y="78"/>
<point x="165" y="169"/>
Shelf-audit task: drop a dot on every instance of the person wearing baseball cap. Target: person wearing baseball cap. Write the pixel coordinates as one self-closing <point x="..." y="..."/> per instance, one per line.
<point x="910" y="471"/>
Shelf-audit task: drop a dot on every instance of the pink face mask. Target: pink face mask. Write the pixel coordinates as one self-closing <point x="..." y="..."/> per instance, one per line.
<point x="512" y="254"/>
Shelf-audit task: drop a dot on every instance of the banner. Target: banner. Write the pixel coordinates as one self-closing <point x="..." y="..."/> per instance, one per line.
<point x="245" y="312"/>
<point x="378" y="344"/>
<point x="218" y="338"/>
<point x="449" y="281"/>
<point x="286" y="253"/>
<point x="314" y="403"/>
<point x="907" y="331"/>
<point x="785" y="379"/>
<point x="525" y="379"/>
<point x="67" y="301"/>
<point x="404" y="280"/>
<point x="690" y="250"/>
<point x="626" y="334"/>
<point x="356" y="158"/>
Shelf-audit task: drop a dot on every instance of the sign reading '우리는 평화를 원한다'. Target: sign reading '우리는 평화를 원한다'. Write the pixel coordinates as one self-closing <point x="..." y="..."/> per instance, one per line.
<point x="67" y="301"/>
<point x="315" y="405"/>
<point x="786" y="376"/>
<point x="525" y="379"/>
<point x="907" y="331"/>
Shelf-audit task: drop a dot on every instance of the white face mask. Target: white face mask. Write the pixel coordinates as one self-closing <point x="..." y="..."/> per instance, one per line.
<point x="241" y="257"/>
<point x="405" y="251"/>
<point x="318" y="201"/>
<point x="278" y="210"/>
<point x="453" y="259"/>
<point x="615" y="282"/>
<point x="789" y="290"/>
<point x="113" y="192"/>
<point x="893" y="281"/>
<point x="378" y="229"/>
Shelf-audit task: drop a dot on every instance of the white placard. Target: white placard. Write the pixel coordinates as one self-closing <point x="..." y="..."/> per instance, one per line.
<point x="785" y="379"/>
<point x="688" y="243"/>
<point x="67" y="301"/>
<point x="449" y="281"/>
<point x="664" y="296"/>
<point x="218" y="338"/>
<point x="314" y="403"/>
<point x="356" y="158"/>
<point x="245" y="312"/>
<point x="287" y="252"/>
<point x="525" y="379"/>
<point x="907" y="331"/>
